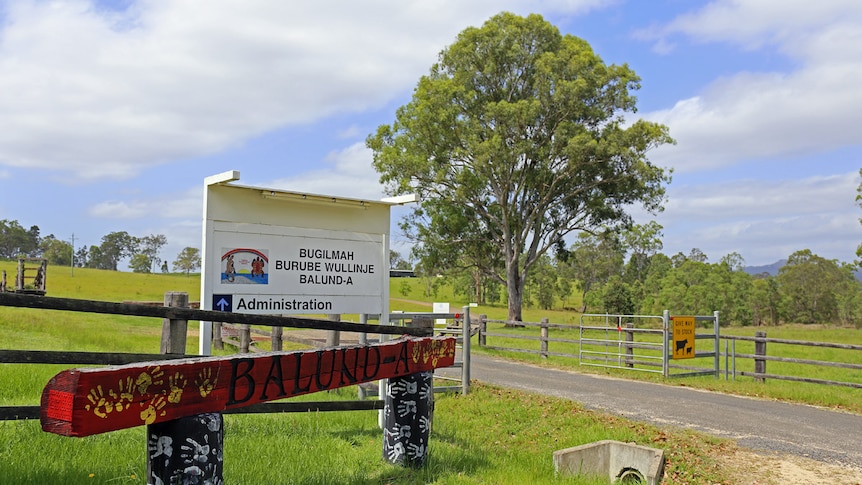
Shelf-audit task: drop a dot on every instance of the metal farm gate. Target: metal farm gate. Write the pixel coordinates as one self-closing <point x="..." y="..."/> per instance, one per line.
<point x="649" y="343"/>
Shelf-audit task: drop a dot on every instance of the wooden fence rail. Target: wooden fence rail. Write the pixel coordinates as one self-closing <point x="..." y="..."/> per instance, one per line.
<point x="170" y="314"/>
<point x="760" y="358"/>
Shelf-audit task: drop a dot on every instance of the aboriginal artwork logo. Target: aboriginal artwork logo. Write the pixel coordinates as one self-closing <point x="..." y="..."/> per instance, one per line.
<point x="244" y="266"/>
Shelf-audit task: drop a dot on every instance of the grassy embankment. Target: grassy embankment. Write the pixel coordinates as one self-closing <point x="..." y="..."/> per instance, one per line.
<point x="491" y="436"/>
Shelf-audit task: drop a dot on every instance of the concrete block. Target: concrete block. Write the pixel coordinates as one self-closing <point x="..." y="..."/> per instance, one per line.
<point x="626" y="462"/>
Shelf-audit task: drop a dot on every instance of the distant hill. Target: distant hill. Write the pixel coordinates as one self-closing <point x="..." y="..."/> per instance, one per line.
<point x="771" y="269"/>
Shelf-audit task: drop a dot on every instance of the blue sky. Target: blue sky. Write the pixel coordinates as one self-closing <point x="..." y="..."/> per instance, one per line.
<point x="113" y="112"/>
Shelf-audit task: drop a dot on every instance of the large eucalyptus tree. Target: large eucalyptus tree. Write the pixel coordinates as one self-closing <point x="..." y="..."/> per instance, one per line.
<point x="518" y="133"/>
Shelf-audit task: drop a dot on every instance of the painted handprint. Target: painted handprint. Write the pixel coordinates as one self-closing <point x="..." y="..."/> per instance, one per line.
<point x="127" y="388"/>
<point x="176" y="382"/>
<point x="98" y="403"/>
<point x="155" y="408"/>
<point x="195" y="453"/>
<point x="400" y="387"/>
<point x="406" y="407"/>
<point x="154" y="376"/>
<point x="205" y="381"/>
<point x="160" y="445"/>
<point x="395" y="452"/>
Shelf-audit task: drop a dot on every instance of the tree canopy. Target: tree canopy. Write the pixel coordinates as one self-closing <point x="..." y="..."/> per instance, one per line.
<point x="518" y="133"/>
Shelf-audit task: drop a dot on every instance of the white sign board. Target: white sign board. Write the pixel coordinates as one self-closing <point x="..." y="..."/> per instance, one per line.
<point x="274" y="252"/>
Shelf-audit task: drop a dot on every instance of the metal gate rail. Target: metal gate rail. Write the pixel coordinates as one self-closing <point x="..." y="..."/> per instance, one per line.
<point x="610" y="343"/>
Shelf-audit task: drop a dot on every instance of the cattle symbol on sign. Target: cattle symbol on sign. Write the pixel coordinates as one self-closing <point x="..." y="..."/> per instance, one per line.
<point x="683" y="338"/>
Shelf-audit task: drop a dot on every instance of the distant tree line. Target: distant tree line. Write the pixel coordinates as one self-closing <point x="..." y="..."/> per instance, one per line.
<point x="142" y="252"/>
<point x="625" y="273"/>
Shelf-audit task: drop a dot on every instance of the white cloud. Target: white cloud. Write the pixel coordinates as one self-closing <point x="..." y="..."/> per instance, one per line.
<point x="182" y="205"/>
<point x="349" y="173"/>
<point x="765" y="220"/>
<point x="749" y="115"/>
<point x="105" y="94"/>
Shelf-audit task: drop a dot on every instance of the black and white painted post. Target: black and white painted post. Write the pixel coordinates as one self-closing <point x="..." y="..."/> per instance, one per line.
<point x="407" y="413"/>
<point x="407" y="419"/>
<point x="187" y="449"/>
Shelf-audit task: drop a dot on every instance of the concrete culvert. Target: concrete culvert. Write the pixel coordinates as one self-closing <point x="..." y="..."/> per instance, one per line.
<point x="630" y="476"/>
<point x="622" y="463"/>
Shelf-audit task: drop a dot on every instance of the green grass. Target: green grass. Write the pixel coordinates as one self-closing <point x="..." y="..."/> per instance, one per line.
<point x="492" y="436"/>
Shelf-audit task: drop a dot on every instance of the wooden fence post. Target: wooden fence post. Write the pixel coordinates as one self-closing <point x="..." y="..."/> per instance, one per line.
<point x="174" y="331"/>
<point x="483" y="327"/>
<point x="760" y="349"/>
<point x="333" y="337"/>
<point x="407" y="414"/>
<point x="276" y="335"/>
<point x="244" y="338"/>
<point x="544" y="339"/>
<point x="630" y="337"/>
<point x="218" y="343"/>
<point x="188" y="449"/>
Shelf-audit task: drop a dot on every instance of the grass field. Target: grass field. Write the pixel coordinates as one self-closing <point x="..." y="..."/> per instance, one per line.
<point x="491" y="436"/>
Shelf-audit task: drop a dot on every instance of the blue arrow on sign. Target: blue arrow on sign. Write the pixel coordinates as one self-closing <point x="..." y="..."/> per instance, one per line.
<point x="223" y="303"/>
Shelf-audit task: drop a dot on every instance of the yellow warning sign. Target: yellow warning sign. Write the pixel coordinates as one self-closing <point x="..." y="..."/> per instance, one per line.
<point x="683" y="338"/>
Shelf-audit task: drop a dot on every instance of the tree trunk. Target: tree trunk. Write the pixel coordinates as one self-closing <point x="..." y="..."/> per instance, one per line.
<point x="516" y="294"/>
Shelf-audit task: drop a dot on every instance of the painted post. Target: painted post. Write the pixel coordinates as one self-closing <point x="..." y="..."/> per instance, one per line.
<point x="187" y="449"/>
<point x="760" y="349"/>
<point x="407" y="414"/>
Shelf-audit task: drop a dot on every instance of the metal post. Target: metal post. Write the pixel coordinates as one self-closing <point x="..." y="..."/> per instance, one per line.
<point x="630" y="338"/>
<point x="465" y="352"/>
<point x="665" y="361"/>
<point x="363" y="340"/>
<point x="717" y="346"/>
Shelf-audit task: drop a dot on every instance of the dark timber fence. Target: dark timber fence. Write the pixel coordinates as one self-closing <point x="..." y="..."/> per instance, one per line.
<point x="760" y="357"/>
<point x="174" y="318"/>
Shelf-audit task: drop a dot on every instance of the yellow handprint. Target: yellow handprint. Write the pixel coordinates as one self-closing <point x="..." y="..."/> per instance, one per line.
<point x="205" y="382"/>
<point x="145" y="379"/>
<point x="154" y="409"/>
<point x="176" y="382"/>
<point x="100" y="406"/>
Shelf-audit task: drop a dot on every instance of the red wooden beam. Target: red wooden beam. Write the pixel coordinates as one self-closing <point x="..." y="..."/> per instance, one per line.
<point x="82" y="402"/>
